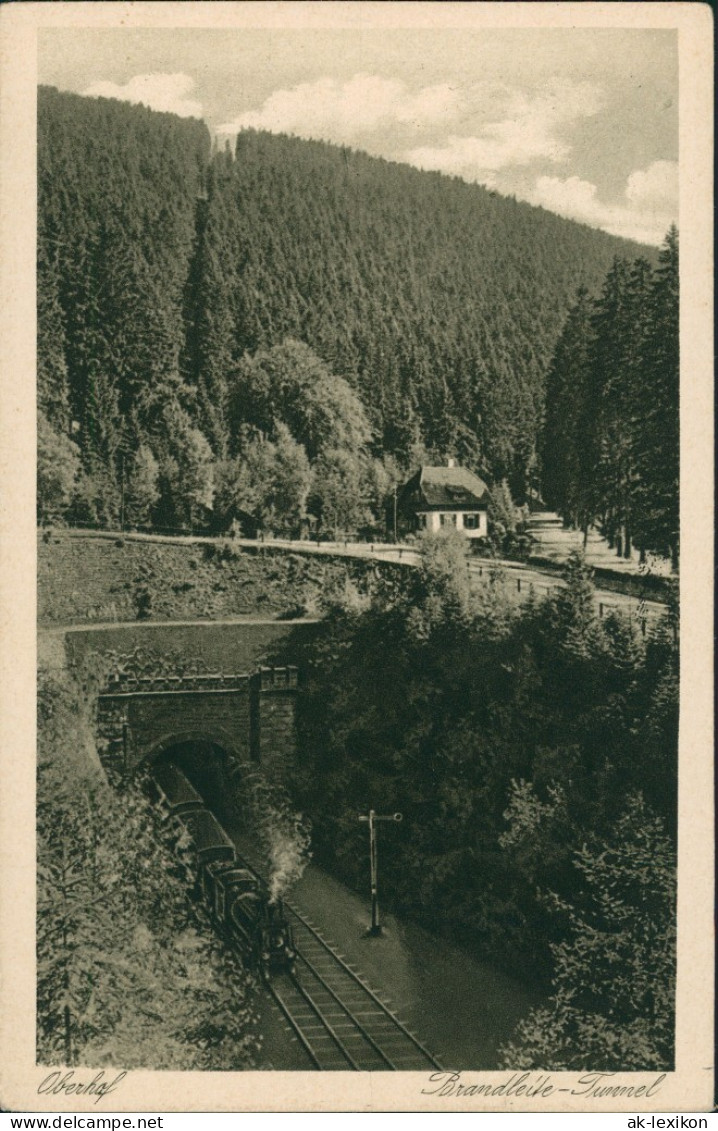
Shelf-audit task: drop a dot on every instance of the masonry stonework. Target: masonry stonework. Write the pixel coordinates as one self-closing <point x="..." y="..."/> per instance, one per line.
<point x="274" y="732"/>
<point x="251" y="717"/>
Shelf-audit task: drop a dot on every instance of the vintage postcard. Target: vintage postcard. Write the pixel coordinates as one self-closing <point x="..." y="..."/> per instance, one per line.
<point x="356" y="559"/>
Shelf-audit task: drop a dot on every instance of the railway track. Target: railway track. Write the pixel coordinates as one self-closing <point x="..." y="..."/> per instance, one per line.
<point x="341" y="1023"/>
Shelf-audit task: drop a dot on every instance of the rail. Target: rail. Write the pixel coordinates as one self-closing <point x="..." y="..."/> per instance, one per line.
<point x="320" y="1058"/>
<point x="375" y="1041"/>
<point x="342" y="1005"/>
<point x="366" y="989"/>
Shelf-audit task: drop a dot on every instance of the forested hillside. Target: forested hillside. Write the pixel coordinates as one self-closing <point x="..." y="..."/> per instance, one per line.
<point x="189" y="301"/>
<point x="611" y="437"/>
<point x="533" y="754"/>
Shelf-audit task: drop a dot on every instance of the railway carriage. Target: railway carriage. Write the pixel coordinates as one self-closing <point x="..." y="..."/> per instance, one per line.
<point x="222" y="883"/>
<point x="210" y="843"/>
<point x="236" y="897"/>
<point x="173" y="793"/>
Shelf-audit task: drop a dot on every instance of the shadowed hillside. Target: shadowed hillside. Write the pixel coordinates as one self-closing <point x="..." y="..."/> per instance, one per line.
<point x="160" y="266"/>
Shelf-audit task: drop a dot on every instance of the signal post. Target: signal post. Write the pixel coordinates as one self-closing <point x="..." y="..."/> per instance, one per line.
<point x="375" y="930"/>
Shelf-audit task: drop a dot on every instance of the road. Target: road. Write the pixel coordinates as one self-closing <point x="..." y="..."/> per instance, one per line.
<point x="551" y="539"/>
<point x="519" y="580"/>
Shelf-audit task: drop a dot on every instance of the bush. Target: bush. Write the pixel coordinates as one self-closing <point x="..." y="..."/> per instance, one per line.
<point x="143" y="602"/>
<point x="132" y="977"/>
<point x="612" y="1002"/>
<point x="437" y="699"/>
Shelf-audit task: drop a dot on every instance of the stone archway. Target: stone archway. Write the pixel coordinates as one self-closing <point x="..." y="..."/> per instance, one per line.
<point x="250" y="717"/>
<point x="211" y="762"/>
<point x="216" y="736"/>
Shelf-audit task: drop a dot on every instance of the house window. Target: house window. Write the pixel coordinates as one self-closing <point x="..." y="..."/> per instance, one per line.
<point x="447" y="519"/>
<point x="471" y="521"/>
<point x="421" y="521"/>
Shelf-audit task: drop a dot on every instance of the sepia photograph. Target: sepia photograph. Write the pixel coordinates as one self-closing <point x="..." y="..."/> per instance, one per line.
<point x="365" y="447"/>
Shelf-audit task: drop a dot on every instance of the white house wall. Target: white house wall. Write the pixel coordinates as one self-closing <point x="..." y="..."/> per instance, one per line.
<point x="434" y="523"/>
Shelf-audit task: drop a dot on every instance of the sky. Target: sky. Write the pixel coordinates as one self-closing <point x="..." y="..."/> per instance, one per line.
<point x="582" y="121"/>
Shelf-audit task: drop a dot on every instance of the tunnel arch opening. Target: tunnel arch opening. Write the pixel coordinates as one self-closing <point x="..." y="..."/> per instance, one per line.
<point x="213" y="766"/>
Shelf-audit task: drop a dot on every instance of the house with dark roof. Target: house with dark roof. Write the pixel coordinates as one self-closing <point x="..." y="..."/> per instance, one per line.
<point x="444" y="497"/>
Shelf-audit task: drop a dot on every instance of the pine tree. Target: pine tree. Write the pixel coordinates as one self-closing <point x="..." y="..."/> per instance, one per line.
<point x="616" y="350"/>
<point x="611" y="434"/>
<point x="186" y="472"/>
<point x="567" y="474"/>
<point x="142" y="490"/>
<point x="53" y="390"/>
<point x="209" y="328"/>
<point x="657" y="490"/>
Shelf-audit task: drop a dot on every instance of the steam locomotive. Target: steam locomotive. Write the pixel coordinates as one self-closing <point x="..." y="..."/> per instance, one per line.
<point x="236" y="898"/>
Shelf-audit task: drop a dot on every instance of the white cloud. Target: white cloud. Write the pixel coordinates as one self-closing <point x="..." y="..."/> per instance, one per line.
<point x="515" y="127"/>
<point x="529" y="129"/>
<point x="480" y="158"/>
<point x="651" y="202"/>
<point x="340" y="111"/>
<point x="158" y="91"/>
<point x="654" y="187"/>
<point x="571" y="196"/>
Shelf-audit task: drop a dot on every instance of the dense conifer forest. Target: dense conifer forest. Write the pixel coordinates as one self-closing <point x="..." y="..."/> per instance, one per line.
<point x="611" y="436"/>
<point x="285" y="329"/>
<point x="532" y="753"/>
<point x="277" y="334"/>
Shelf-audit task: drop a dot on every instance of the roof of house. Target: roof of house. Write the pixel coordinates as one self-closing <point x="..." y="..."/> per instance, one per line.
<point x="446" y="487"/>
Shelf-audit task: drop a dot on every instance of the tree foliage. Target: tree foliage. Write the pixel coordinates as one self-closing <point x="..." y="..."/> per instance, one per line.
<point x="290" y="385"/>
<point x="611" y="434"/>
<point x="142" y="487"/>
<point x="127" y="973"/>
<point x="268" y="480"/>
<point x="508" y="740"/>
<point x="58" y="466"/>
<point x="612" y="1004"/>
<point x="368" y="307"/>
<point x="338" y="495"/>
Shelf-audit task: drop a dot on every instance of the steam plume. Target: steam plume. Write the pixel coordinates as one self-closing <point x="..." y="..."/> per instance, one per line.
<point x="283" y="833"/>
<point x="288" y="851"/>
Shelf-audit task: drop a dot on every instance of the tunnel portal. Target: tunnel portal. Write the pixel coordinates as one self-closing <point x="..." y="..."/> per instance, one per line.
<point x="248" y="717"/>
